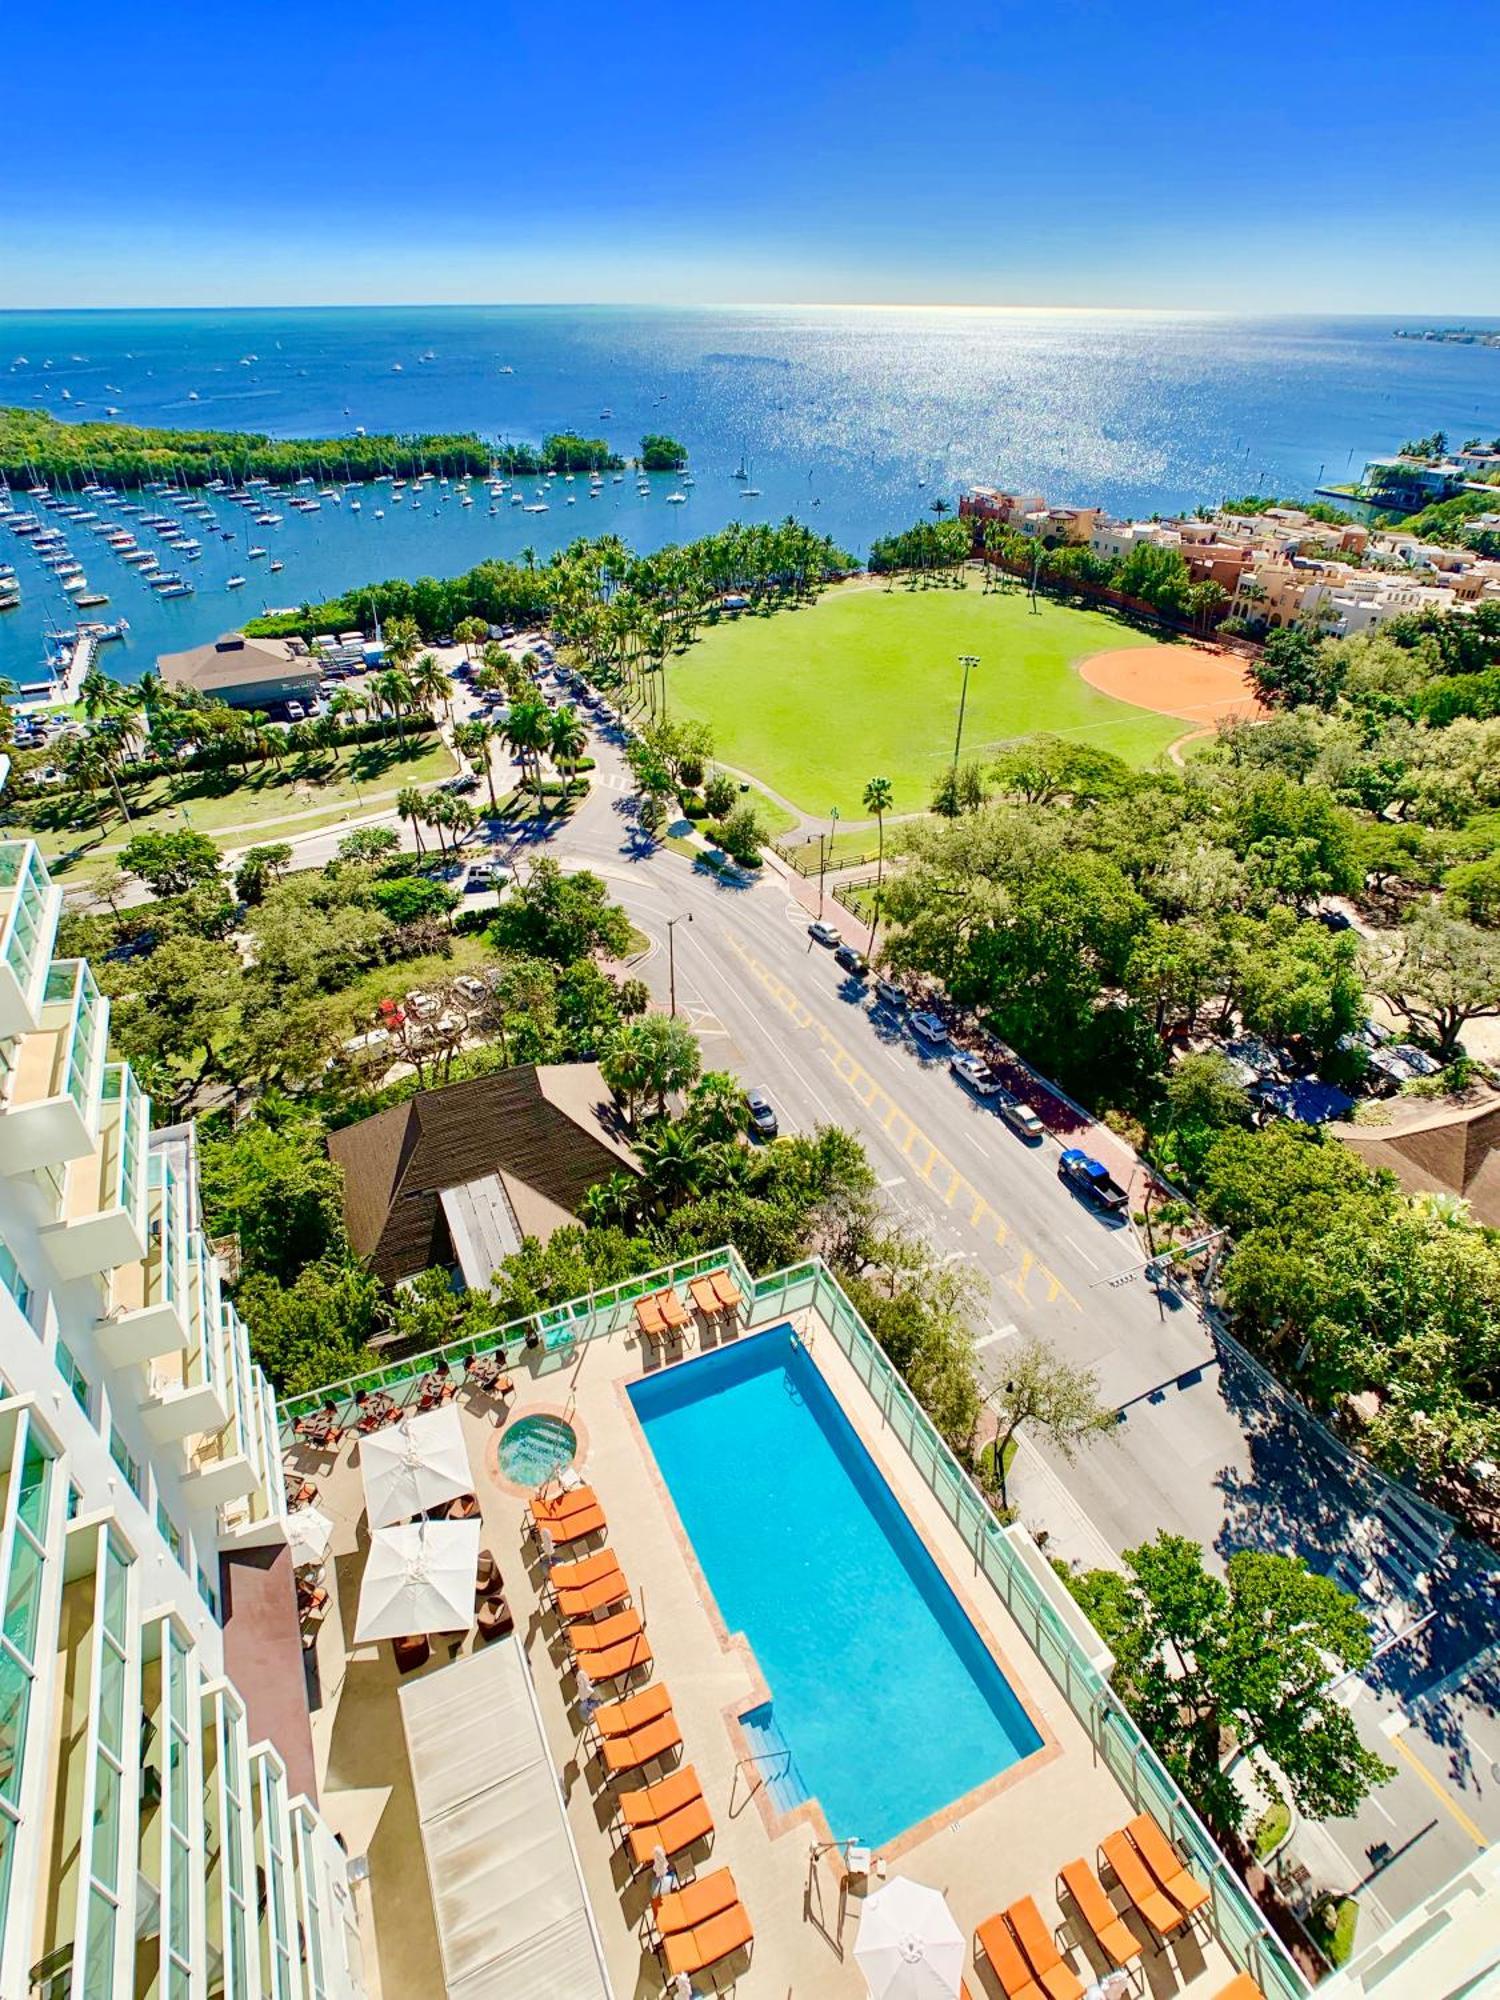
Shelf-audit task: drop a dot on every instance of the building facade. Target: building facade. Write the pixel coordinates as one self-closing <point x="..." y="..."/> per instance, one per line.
<point x="153" y="1842"/>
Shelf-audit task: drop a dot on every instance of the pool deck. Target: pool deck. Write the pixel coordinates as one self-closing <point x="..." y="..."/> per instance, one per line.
<point x="1003" y="1841"/>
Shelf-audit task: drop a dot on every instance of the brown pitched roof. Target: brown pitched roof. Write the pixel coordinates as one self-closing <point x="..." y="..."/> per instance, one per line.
<point x="542" y="1128"/>
<point x="235" y="661"/>
<point x="1442" y="1149"/>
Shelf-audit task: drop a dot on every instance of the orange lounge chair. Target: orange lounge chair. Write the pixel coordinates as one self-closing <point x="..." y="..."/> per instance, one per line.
<point x="1043" y="1956"/>
<point x="594" y="1597"/>
<point x="648" y="1318"/>
<point x="586" y="1570"/>
<point x="648" y="1746"/>
<point x="673" y="1311"/>
<point x="1111" y="1933"/>
<point x="694" y="1822"/>
<point x="695" y="1950"/>
<point x="618" y="1663"/>
<point x="1136" y="1880"/>
<point x="654" y="1803"/>
<point x="726" y="1291"/>
<point x="572" y="1500"/>
<point x="1161" y="1857"/>
<point x="624" y="1718"/>
<point x="704" y="1297"/>
<point x="577" y="1527"/>
<point x="1241" y="1987"/>
<point x="996" y="1940"/>
<point x="685" y="1909"/>
<point x="598" y="1635"/>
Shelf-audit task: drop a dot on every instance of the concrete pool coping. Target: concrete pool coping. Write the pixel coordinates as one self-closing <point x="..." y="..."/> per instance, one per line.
<point x="809" y="1813"/>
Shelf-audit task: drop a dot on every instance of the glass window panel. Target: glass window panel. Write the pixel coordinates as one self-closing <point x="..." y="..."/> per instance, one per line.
<point x="179" y="1785"/>
<point x="111" y="1699"/>
<point x="99" y="1949"/>
<point x="178" y="1933"/>
<point x="15" y="1698"/>
<point x="239" y="1972"/>
<point x="32" y="1504"/>
<point x="179" y="1986"/>
<point x="106" y="1859"/>
<point x="115" y="1574"/>
<point x="23" y="1591"/>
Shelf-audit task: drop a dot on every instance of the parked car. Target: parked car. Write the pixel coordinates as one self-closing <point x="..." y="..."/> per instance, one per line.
<point x="890" y="995"/>
<point x="974" y="1072"/>
<point x="1020" y="1117"/>
<point x="761" y="1114"/>
<point x="928" y="1028"/>
<point x="480" y="879"/>
<point x="822" y="933"/>
<point x="470" y="987"/>
<point x="854" y="962"/>
<point x="1091" y="1179"/>
<point x="295" y="712"/>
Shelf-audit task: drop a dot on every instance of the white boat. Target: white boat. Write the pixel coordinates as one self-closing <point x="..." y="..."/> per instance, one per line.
<point x="253" y="553"/>
<point x="749" y="492"/>
<point x="676" y="499"/>
<point x="235" y="583"/>
<point x="278" y="564"/>
<point x="354" y="506"/>
<point x="536" y="507"/>
<point x="518" y="499"/>
<point x="380" y="513"/>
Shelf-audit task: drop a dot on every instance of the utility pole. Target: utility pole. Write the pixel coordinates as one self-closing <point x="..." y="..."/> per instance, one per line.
<point x="825" y="842"/>
<point x="683" y="916"/>
<point x="967" y="661"/>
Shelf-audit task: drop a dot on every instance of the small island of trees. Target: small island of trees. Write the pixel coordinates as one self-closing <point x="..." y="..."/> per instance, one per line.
<point x="660" y="453"/>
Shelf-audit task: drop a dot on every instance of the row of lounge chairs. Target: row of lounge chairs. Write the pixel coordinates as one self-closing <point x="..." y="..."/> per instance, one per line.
<point x="662" y="1315"/>
<point x="1157" y="1887"/>
<point x="692" y="1926"/>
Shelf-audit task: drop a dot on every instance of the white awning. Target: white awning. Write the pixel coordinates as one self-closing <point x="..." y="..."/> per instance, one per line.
<point x="513" y="1918"/>
<point x="415" y="1464"/>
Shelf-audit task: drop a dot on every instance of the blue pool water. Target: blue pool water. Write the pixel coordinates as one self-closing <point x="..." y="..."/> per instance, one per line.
<point x="885" y="1705"/>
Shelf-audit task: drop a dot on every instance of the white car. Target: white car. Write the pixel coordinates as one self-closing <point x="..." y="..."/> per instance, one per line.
<point x="975" y="1072"/>
<point x="928" y="1028"/>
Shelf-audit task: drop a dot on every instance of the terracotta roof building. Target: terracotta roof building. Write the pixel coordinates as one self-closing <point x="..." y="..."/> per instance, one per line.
<point x="460" y="1175"/>
<point x="1437" y="1149"/>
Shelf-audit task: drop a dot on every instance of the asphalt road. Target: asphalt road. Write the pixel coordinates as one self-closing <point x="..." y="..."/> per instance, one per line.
<point x="1205" y="1447"/>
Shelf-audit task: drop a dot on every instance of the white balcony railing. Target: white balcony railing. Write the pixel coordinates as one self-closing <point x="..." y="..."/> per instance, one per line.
<point x="29" y="907"/>
<point x="52" y="1110"/>
<point x="103" y="1223"/>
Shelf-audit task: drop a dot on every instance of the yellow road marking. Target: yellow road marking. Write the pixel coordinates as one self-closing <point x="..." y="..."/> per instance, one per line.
<point x="1438" y="1791"/>
<point x="927" y="1159"/>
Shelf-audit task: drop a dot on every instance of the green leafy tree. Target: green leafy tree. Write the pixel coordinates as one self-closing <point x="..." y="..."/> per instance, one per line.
<point x="717" y="1106"/>
<point x="719" y="795"/>
<point x="561" y="917"/>
<point x="314" y="1330"/>
<point x="171" y="863"/>
<point x="1253" y="1660"/>
<point x="270" y="1183"/>
<point x="1044" y="1392"/>
<point x="651" y="1058"/>
<point x="258" y="868"/>
<point x="1442" y="973"/>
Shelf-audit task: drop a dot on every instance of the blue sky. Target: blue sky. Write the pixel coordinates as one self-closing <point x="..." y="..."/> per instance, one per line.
<point x="1081" y="152"/>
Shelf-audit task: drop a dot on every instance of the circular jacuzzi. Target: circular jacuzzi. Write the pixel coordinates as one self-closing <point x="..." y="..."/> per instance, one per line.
<point x="535" y="1449"/>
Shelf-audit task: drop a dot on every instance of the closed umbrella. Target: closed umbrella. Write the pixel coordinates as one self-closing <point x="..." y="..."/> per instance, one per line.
<point x="416" y="1464"/>
<point x="418" y="1577"/>
<point x="308" y="1533"/>
<point x="908" y="1946"/>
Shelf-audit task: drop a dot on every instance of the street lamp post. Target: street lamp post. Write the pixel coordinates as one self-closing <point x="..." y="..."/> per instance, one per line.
<point x="683" y="916"/>
<point x="967" y="661"/>
<point x="825" y="842"/>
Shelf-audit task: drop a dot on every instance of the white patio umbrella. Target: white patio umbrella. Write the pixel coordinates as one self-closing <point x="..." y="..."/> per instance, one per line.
<point x="909" y="1947"/>
<point x="308" y="1533"/>
<point x="413" y="1465"/>
<point x="418" y="1578"/>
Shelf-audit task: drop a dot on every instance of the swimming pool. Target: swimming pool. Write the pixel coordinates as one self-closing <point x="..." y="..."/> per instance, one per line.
<point x="885" y="1705"/>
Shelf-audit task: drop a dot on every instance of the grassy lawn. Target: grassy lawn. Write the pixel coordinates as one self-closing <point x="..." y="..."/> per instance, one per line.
<point x="269" y="804"/>
<point x="866" y="682"/>
<point x="357" y="1002"/>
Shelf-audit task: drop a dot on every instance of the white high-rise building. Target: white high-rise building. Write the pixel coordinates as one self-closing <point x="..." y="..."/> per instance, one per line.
<point x="158" y="1835"/>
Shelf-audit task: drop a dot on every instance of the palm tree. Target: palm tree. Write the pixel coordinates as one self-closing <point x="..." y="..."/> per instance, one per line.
<point x="611" y="1202"/>
<point x="675" y="1163"/>
<point x="430" y="685"/>
<point x="412" y="804"/>
<point x="718" y="1108"/>
<point x="567" y="736"/>
<point x="394" y="691"/>
<point x="473" y="738"/>
<point x="877" y="798"/>
<point x="402" y="639"/>
<point x="528" y="556"/>
<point x="528" y="731"/>
<point x="470" y="632"/>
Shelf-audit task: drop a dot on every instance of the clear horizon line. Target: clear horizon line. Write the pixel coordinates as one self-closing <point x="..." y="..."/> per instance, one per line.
<point x="1429" y="316"/>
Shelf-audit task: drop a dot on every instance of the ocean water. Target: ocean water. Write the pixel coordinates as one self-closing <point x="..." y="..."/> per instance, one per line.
<point x="851" y="419"/>
<point x="884" y="1704"/>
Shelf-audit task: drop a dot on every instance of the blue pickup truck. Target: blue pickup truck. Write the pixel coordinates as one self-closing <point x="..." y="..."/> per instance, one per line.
<point x="1091" y="1179"/>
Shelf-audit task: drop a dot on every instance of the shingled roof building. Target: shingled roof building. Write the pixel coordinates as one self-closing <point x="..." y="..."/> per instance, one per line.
<point x="1437" y="1149"/>
<point x="460" y="1175"/>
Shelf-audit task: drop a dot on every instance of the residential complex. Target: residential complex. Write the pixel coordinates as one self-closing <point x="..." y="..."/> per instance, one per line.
<point x="158" y="1832"/>
<point x="1276" y="568"/>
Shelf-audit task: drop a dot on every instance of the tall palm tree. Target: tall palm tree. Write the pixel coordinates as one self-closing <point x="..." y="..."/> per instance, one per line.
<point x="430" y="685"/>
<point x="674" y="1165"/>
<point x="878" y="796"/>
<point x="567" y="736"/>
<point x="394" y="691"/>
<point x="528" y="730"/>
<point x="411" y="804"/>
<point x="470" y="632"/>
<point x="473" y="738"/>
<point x="402" y="642"/>
<point x="718" y="1108"/>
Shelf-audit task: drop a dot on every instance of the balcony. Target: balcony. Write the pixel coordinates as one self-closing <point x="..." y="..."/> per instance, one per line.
<point x="103" y="1222"/>
<point x="146" y="1311"/>
<point x="190" y="1391"/>
<point x="219" y="1472"/>
<point x="29" y="906"/>
<point x="57" y="1073"/>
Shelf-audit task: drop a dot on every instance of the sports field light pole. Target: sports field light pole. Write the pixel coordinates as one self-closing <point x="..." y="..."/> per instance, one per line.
<point x="967" y="661"/>
<point x="683" y="916"/>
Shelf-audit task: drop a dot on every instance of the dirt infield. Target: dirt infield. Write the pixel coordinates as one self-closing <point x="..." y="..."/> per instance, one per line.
<point x="1202" y="684"/>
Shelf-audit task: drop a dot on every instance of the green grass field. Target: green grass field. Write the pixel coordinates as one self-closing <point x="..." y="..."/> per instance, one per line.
<point x="866" y="682"/>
